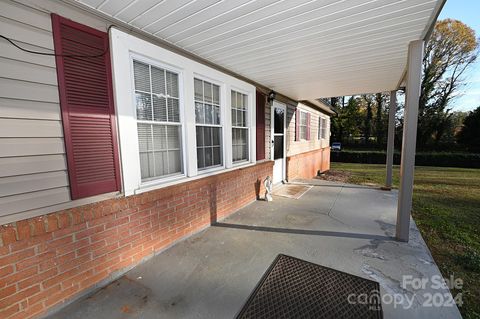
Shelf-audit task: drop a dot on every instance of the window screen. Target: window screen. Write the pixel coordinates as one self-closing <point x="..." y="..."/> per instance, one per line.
<point x="158" y="120"/>
<point x="208" y="127"/>
<point x="239" y="126"/>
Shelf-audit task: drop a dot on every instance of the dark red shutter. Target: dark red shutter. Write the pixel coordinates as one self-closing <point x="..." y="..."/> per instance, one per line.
<point x="308" y="126"/>
<point x="86" y="100"/>
<point x="260" y="124"/>
<point x="297" y="125"/>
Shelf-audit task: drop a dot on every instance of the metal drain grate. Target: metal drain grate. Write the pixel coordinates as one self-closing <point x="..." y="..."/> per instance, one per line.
<point x="294" y="288"/>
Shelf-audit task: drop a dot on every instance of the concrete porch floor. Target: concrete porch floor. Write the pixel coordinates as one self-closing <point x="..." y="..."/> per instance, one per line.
<point x="212" y="273"/>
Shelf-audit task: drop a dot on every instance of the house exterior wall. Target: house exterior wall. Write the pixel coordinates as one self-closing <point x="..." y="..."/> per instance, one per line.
<point x="32" y="156"/>
<point x="46" y="260"/>
<point x="33" y="169"/>
<point x="305" y="158"/>
<point x="53" y="248"/>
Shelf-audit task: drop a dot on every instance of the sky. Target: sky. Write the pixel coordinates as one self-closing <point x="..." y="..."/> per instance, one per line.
<point x="467" y="11"/>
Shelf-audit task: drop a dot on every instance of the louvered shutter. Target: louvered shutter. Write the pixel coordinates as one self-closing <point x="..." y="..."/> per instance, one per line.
<point x="308" y="126"/>
<point x="88" y="115"/>
<point x="297" y="125"/>
<point x="260" y="126"/>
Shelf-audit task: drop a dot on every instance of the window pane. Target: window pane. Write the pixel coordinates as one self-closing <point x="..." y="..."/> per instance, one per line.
<point x="159" y="137"/>
<point x="207" y="136"/>
<point x="208" y="114"/>
<point x="234" y="99"/>
<point x="208" y="157"/>
<point x="240" y="144"/>
<point x="216" y="135"/>
<point x="303" y="118"/>
<point x="199" y="113"/>
<point x="158" y="80"/>
<point x="200" y="157"/>
<point x="278" y="120"/>
<point x="200" y="136"/>
<point x="141" y="74"/>
<point x="216" y="94"/>
<point x="245" y="101"/>
<point x="174" y="162"/>
<point x="144" y="106"/>
<point x="239" y="101"/>
<point x="173" y="110"/>
<point x="217" y="159"/>
<point x="207" y="92"/>
<point x="198" y="89"/>
<point x="159" y="109"/>
<point x="172" y="84"/>
<point x="161" y="164"/>
<point x="278" y="147"/>
<point x="146" y="165"/>
<point x="240" y="120"/>
<point x="216" y="115"/>
<point x="173" y="137"/>
<point x="144" y="137"/>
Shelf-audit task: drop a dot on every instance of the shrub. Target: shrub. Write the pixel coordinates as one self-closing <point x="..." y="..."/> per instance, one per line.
<point x="442" y="159"/>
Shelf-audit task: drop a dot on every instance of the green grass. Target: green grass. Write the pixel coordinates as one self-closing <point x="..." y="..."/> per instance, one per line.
<point x="446" y="208"/>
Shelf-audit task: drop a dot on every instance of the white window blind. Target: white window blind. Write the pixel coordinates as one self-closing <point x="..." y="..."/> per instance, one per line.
<point x="158" y="121"/>
<point x="240" y="132"/>
<point x="208" y="124"/>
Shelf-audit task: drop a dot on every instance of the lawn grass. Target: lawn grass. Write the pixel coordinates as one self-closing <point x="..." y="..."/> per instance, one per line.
<point x="446" y="208"/>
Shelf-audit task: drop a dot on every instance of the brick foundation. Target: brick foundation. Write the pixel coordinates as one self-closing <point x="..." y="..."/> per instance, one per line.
<point x="48" y="260"/>
<point x="307" y="165"/>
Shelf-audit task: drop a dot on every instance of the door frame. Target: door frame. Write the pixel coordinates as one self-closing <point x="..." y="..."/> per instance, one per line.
<point x="272" y="135"/>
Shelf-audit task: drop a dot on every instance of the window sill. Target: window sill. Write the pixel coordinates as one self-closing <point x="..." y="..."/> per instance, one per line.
<point x="162" y="183"/>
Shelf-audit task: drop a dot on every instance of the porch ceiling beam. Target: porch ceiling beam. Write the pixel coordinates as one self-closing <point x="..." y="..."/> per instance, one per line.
<point x="407" y="166"/>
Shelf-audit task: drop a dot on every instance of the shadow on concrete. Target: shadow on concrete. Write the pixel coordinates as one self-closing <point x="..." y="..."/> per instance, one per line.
<point x="304" y="231"/>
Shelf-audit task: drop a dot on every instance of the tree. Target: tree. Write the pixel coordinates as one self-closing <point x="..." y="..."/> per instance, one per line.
<point x="469" y="134"/>
<point x="367" y="125"/>
<point x="451" y="50"/>
<point x="381" y="117"/>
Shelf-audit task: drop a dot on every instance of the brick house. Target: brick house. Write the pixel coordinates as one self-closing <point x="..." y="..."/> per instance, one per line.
<point x="121" y="145"/>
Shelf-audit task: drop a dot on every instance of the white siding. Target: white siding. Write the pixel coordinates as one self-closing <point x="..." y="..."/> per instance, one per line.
<point x="302" y="146"/>
<point x="33" y="170"/>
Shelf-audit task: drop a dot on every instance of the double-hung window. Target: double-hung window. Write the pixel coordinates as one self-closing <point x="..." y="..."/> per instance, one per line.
<point x="303" y="125"/>
<point x="158" y="121"/>
<point x="324" y="127"/>
<point x="208" y="124"/>
<point x="240" y="133"/>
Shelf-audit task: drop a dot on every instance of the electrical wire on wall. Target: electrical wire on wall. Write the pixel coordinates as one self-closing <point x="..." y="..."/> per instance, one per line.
<point x="54" y="54"/>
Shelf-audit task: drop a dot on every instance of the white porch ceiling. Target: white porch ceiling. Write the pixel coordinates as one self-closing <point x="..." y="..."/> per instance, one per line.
<point x="304" y="49"/>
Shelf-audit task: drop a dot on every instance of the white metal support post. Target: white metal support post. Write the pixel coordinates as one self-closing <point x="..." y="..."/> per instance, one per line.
<point x="407" y="166"/>
<point x="391" y="139"/>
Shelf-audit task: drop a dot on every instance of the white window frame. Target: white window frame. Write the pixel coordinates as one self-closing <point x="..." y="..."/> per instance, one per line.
<point x="203" y="171"/>
<point x="300" y="125"/>
<point x="155" y="63"/>
<point x="248" y="122"/>
<point x="124" y="49"/>
<point x="324" y="132"/>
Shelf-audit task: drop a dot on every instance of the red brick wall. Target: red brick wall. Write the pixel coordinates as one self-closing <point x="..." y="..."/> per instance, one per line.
<point x="44" y="261"/>
<point x="307" y="165"/>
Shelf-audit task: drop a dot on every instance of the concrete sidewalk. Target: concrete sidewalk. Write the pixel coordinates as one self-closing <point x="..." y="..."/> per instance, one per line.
<point x="211" y="274"/>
